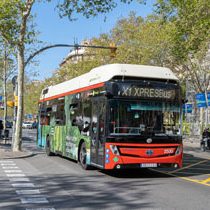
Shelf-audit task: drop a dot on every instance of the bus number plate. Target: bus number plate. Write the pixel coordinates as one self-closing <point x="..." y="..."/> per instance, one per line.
<point x="148" y="165"/>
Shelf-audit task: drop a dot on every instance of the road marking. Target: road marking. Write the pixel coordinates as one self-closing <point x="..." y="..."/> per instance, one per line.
<point x="33" y="200"/>
<point x="23" y="185"/>
<point x="8" y="164"/>
<point x="27" y="192"/>
<point x="15" y="175"/>
<point x="180" y="169"/>
<point x="181" y="177"/>
<point x="195" y="180"/>
<point x="12" y="171"/>
<point x="205" y="181"/>
<point x="173" y="173"/>
<point x="9" y="167"/>
<point x="6" y="161"/>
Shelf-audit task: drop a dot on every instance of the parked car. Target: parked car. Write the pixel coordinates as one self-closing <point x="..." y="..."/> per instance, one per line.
<point x="27" y="125"/>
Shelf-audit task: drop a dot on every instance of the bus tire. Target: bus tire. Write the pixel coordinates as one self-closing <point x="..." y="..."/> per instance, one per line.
<point x="48" y="147"/>
<point x="83" y="156"/>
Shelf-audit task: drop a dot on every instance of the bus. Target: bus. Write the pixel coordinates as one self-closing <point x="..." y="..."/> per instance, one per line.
<point x="116" y="116"/>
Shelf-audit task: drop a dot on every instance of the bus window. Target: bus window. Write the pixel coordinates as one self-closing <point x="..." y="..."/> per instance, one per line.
<point x="60" y="116"/>
<point x="75" y="115"/>
<point x="45" y="116"/>
<point x="57" y="116"/>
<point x="44" y="120"/>
<point x="137" y="118"/>
<point x="102" y="119"/>
<point x="86" y="115"/>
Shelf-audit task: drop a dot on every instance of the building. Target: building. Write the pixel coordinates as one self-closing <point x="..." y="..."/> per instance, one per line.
<point x="77" y="55"/>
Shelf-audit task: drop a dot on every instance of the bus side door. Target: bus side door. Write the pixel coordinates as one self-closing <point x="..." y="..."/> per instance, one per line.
<point x="97" y="131"/>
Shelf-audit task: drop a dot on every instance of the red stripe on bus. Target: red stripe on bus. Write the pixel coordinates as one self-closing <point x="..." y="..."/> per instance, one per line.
<point x="73" y="92"/>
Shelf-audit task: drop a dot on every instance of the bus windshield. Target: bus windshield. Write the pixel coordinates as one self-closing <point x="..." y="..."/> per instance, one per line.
<point x="143" y="118"/>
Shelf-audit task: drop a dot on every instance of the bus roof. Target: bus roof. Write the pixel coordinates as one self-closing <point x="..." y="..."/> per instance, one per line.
<point x="105" y="73"/>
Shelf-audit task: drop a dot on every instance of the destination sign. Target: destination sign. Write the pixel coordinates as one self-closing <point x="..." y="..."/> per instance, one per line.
<point x="146" y="92"/>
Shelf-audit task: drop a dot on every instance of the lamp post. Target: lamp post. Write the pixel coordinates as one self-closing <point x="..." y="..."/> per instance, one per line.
<point x="15" y="91"/>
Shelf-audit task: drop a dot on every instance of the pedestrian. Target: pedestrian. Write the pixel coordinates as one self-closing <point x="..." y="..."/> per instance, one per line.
<point x="1" y="128"/>
<point x="206" y="133"/>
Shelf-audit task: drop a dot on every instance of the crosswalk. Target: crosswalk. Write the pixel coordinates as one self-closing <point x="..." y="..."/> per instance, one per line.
<point x="27" y="192"/>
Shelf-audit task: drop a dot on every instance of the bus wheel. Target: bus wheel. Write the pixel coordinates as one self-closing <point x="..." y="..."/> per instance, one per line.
<point x="47" y="147"/>
<point x="82" y="156"/>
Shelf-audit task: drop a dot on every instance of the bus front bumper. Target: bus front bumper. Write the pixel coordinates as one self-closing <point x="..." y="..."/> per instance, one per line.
<point x="144" y="156"/>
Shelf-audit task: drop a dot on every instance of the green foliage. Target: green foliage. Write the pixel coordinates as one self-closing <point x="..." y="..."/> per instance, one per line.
<point x="69" y="8"/>
<point x="192" y="25"/>
<point x="32" y="96"/>
<point x="10" y="19"/>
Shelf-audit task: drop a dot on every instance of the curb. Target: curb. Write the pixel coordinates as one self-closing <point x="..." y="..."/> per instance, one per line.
<point x="12" y="155"/>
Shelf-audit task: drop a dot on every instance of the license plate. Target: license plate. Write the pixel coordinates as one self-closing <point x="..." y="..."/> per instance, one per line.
<point x="148" y="165"/>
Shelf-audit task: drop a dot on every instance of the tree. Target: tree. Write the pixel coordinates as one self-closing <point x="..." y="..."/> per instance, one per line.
<point x="6" y="71"/>
<point x="14" y="18"/>
<point x="189" y="37"/>
<point x="31" y="96"/>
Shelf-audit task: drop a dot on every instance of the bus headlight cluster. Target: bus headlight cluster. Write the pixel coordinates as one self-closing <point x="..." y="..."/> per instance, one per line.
<point x="178" y="150"/>
<point x="107" y="155"/>
<point x="114" y="150"/>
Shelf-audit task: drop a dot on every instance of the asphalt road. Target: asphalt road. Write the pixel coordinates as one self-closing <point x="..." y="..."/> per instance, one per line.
<point x="48" y="183"/>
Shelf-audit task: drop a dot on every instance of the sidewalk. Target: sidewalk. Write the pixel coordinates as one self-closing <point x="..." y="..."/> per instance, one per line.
<point x="7" y="153"/>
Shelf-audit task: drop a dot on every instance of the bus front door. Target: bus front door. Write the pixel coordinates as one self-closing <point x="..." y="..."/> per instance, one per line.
<point x="97" y="130"/>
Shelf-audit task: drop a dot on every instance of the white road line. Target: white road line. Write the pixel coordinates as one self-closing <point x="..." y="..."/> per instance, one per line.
<point x="13" y="171"/>
<point x="23" y="185"/>
<point x="9" y="167"/>
<point x="6" y="161"/>
<point x="19" y="179"/>
<point x="27" y="192"/>
<point x="34" y="200"/>
<point x="8" y="164"/>
<point x="16" y="175"/>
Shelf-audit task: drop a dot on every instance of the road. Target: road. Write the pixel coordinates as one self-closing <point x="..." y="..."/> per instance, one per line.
<point x="48" y="183"/>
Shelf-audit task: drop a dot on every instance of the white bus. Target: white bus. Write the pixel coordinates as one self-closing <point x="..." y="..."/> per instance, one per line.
<point x="115" y="116"/>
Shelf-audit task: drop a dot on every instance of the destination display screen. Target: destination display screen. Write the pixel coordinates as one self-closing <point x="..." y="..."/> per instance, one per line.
<point x="146" y="92"/>
<point x="168" y="92"/>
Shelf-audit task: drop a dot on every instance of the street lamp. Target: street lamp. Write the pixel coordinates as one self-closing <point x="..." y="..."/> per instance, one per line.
<point x="15" y="91"/>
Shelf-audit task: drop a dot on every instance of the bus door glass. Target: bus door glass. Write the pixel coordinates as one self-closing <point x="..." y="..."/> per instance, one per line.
<point x="98" y="130"/>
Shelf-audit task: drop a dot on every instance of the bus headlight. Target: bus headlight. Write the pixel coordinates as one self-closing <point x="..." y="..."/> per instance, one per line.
<point x="178" y="150"/>
<point x="114" y="150"/>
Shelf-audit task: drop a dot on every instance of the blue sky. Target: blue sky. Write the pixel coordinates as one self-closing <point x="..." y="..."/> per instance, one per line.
<point x="54" y="30"/>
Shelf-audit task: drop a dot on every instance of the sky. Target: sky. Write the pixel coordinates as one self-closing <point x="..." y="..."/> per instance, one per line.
<point x="53" y="30"/>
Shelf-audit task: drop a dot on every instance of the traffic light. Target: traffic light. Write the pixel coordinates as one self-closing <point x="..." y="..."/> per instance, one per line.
<point x="113" y="50"/>
<point x="16" y="101"/>
<point x="10" y="103"/>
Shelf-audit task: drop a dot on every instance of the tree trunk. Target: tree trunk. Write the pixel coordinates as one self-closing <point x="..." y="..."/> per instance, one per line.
<point x="18" y="131"/>
<point x="21" y="67"/>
